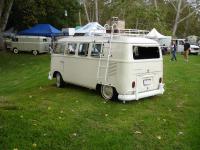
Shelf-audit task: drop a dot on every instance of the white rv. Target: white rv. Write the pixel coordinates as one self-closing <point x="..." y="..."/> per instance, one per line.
<point x="127" y="68"/>
<point x="34" y="44"/>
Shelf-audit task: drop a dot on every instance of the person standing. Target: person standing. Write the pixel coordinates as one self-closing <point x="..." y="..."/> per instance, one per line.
<point x="186" y="50"/>
<point x="173" y="51"/>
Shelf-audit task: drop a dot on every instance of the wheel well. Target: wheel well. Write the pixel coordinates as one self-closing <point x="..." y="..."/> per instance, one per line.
<point x="55" y="72"/>
<point x="35" y="50"/>
<point x="14" y="48"/>
<point x="98" y="88"/>
<point x="115" y="94"/>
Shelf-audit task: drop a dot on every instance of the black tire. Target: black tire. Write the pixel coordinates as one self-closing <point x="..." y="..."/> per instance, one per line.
<point x="59" y="80"/>
<point x="35" y="52"/>
<point x="109" y="92"/>
<point x="15" y="51"/>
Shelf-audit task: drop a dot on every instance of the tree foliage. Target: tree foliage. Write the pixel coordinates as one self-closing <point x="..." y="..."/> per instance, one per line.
<point x="5" y="7"/>
<point x="145" y="14"/>
<point x="27" y="13"/>
<point x="140" y="14"/>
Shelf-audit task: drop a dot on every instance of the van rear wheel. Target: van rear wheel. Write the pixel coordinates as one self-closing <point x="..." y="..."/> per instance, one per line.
<point x="15" y="50"/>
<point x="108" y="92"/>
<point x="59" y="80"/>
<point x="35" y="52"/>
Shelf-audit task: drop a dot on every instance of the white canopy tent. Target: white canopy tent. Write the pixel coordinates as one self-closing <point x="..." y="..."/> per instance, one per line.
<point x="161" y="39"/>
<point x="154" y="34"/>
<point x="91" y="28"/>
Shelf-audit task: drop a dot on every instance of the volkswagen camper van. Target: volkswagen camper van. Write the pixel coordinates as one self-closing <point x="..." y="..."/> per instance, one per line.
<point x="34" y="44"/>
<point x="120" y="67"/>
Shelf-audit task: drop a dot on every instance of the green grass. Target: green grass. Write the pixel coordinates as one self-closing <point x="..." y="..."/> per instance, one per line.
<point x="34" y="111"/>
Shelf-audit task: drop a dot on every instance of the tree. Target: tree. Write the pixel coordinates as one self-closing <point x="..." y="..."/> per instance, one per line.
<point x="5" y="8"/>
<point x="43" y="11"/>
<point x="86" y="11"/>
<point x="141" y="14"/>
<point x="96" y="11"/>
<point x="180" y="6"/>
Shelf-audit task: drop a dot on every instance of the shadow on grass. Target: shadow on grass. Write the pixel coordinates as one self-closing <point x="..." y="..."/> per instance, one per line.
<point x="21" y="52"/>
<point x="77" y="88"/>
<point x="7" y="105"/>
<point x="92" y="92"/>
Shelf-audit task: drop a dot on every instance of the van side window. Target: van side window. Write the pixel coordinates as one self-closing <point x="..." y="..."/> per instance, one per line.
<point x="83" y="49"/>
<point x="44" y="40"/>
<point x="145" y="52"/>
<point x="96" y="50"/>
<point x="71" y="48"/>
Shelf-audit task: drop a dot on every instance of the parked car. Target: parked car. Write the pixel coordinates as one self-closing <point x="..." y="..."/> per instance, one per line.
<point x="194" y="49"/>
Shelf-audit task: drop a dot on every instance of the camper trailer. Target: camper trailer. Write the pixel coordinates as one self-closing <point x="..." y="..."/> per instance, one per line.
<point x="34" y="44"/>
<point x="120" y="67"/>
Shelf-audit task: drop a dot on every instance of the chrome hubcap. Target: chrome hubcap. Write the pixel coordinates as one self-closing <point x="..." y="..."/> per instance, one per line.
<point x="58" y="80"/>
<point x="15" y="51"/>
<point x="35" y="52"/>
<point x="107" y="92"/>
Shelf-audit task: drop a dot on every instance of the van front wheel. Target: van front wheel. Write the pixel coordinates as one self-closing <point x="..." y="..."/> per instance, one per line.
<point x="15" y="50"/>
<point x="35" y="52"/>
<point x="108" y="92"/>
<point x="59" y="80"/>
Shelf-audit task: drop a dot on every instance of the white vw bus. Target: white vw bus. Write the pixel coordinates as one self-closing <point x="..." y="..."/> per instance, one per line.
<point x="34" y="44"/>
<point x="120" y="67"/>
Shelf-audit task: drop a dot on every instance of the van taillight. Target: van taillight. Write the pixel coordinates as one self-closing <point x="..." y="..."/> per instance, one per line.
<point x="160" y="80"/>
<point x="133" y="84"/>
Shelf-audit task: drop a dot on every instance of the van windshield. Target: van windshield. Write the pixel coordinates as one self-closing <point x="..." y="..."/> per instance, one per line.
<point x="140" y="52"/>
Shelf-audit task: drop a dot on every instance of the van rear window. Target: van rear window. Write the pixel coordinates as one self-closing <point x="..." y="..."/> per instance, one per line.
<point x="145" y="52"/>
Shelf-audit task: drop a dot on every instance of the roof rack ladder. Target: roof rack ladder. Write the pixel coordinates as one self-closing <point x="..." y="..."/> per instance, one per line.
<point x="100" y="65"/>
<point x="104" y="67"/>
<point x="109" y="52"/>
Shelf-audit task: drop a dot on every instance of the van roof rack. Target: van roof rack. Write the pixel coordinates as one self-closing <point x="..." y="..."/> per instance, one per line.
<point x="119" y="32"/>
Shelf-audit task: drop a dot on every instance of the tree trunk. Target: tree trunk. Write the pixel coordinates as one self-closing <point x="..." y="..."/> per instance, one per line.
<point x="136" y="26"/>
<point x="5" y="14"/>
<point x="177" y="18"/>
<point x="86" y="12"/>
<point x="96" y="11"/>
<point x="156" y="6"/>
<point x="186" y="26"/>
<point x="5" y="8"/>
<point x="79" y="14"/>
<point x="1" y="7"/>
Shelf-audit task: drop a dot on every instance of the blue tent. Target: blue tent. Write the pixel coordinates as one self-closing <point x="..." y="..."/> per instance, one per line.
<point x="41" y="30"/>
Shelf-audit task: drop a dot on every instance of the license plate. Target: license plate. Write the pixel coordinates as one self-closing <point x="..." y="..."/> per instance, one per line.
<point x="147" y="81"/>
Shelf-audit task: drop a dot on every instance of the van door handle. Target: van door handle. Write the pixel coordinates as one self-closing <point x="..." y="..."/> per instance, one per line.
<point x="61" y="61"/>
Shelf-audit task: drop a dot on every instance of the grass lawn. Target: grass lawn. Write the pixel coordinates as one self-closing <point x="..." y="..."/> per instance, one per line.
<point x="34" y="114"/>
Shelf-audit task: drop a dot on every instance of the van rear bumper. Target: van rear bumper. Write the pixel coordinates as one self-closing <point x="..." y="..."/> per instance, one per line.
<point x="138" y="96"/>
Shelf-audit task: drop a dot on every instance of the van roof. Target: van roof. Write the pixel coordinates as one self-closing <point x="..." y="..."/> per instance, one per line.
<point x="116" y="39"/>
